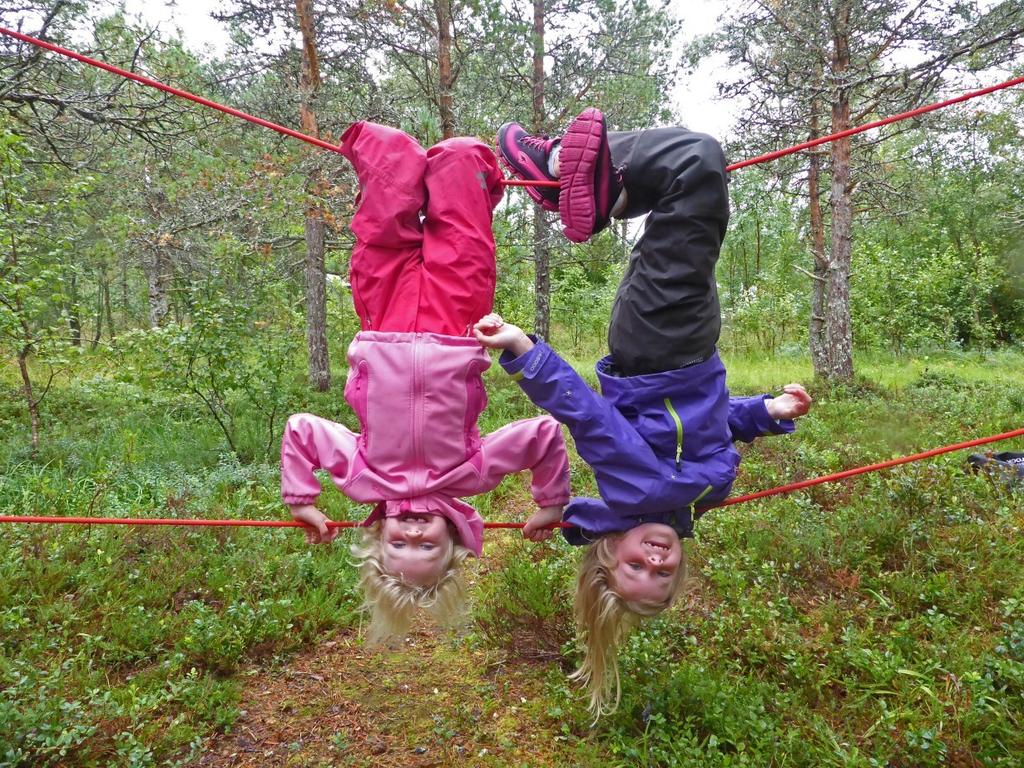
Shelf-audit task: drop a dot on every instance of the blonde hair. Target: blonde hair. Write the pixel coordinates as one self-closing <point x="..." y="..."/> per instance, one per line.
<point x="604" y="618"/>
<point x="391" y="601"/>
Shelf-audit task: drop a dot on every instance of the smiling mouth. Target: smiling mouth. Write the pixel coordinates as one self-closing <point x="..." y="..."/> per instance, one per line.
<point x="656" y="545"/>
<point x="414" y="519"/>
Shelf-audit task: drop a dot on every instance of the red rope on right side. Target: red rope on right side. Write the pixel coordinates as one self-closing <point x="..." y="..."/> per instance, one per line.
<point x="869" y="468"/>
<point x="349" y="524"/>
<point x="875" y="124"/>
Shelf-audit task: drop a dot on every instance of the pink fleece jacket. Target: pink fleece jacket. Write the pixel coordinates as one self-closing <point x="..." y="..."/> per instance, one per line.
<point x="418" y="397"/>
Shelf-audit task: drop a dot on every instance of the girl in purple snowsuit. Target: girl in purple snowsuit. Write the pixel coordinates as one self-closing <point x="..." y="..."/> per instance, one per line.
<point x="660" y="436"/>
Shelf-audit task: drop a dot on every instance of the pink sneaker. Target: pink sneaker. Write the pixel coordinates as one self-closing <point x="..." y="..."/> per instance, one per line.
<point x="590" y="183"/>
<point x="526" y="157"/>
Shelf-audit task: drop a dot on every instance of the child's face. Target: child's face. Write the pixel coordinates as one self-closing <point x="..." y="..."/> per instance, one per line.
<point x="647" y="558"/>
<point x="416" y="547"/>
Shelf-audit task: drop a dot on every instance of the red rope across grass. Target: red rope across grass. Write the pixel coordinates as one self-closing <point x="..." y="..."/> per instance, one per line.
<point x="508" y="182"/>
<point x="349" y="524"/>
<point x="869" y="468"/>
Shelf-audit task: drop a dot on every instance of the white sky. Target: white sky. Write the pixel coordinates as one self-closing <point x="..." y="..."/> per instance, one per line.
<point x="694" y="96"/>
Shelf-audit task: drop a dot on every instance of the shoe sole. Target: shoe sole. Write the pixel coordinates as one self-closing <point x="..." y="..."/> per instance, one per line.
<point x="517" y="172"/>
<point x="580" y="162"/>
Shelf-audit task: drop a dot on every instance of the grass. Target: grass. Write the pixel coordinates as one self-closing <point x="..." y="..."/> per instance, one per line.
<point x="879" y="622"/>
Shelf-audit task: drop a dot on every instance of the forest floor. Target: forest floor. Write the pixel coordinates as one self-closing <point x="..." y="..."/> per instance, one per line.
<point x="428" y="702"/>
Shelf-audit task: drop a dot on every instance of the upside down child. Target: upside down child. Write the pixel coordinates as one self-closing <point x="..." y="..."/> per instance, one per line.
<point x="660" y="436"/>
<point x="423" y="270"/>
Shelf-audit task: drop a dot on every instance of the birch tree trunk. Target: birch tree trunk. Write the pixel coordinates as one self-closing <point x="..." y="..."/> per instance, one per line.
<point x="74" y="313"/>
<point x="111" y="331"/>
<point x="27" y="345"/>
<point x="541" y="228"/>
<point x="819" y="275"/>
<point x="156" y="262"/>
<point x="838" y="327"/>
<point x="157" y="268"/>
<point x="315" y="270"/>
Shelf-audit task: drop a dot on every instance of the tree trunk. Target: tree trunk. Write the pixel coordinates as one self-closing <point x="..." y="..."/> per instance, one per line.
<point x="819" y="281"/>
<point x="109" y="312"/>
<point x="74" y="315"/>
<point x="541" y="229"/>
<point x="156" y="263"/>
<point x="541" y="275"/>
<point x="445" y="81"/>
<point x="316" y="279"/>
<point x="126" y="313"/>
<point x="838" y="326"/>
<point x="757" y="247"/>
<point x="156" y="266"/>
<point x="316" y="306"/>
<point x="98" y="331"/>
<point x="30" y="400"/>
<point x="11" y="263"/>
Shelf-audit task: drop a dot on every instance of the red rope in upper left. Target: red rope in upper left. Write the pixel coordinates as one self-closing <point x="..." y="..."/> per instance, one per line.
<point x="170" y="89"/>
<point x="507" y="182"/>
<point x="204" y="101"/>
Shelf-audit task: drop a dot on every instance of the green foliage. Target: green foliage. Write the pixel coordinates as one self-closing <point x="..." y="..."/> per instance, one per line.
<point x="234" y="357"/>
<point x="581" y="292"/>
<point x="864" y="623"/>
<point x="122" y="645"/>
<point x="764" y="299"/>
<point x="34" y="259"/>
<point x="524" y="606"/>
<point x="921" y="300"/>
<point x="869" y="623"/>
<point x="763" y="318"/>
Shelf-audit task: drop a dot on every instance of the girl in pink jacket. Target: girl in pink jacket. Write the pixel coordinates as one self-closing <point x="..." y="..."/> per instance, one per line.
<point x="422" y="272"/>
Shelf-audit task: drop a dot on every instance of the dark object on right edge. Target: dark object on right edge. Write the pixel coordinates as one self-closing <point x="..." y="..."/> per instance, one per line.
<point x="1007" y="467"/>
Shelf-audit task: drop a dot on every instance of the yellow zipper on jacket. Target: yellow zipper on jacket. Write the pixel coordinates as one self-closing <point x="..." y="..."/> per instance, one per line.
<point x="679" y="432"/>
<point x="693" y="504"/>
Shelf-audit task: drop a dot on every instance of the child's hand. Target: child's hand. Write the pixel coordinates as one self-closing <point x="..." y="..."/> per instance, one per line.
<point x="792" y="405"/>
<point x="493" y="332"/>
<point x="535" y="528"/>
<point x="315" y="524"/>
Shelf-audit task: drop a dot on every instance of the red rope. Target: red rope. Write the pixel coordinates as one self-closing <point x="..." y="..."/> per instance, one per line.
<point x="348" y="524"/>
<point x="530" y="183"/>
<point x="508" y="182"/>
<point x="869" y="468"/>
<point x="202" y="523"/>
<point x="212" y="104"/>
<point x="171" y="90"/>
<point x="875" y="124"/>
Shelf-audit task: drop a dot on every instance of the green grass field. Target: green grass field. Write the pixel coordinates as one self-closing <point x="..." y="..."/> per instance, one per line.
<point x="877" y="622"/>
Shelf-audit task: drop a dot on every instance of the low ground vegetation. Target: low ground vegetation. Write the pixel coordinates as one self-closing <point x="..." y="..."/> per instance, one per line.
<point x="879" y="622"/>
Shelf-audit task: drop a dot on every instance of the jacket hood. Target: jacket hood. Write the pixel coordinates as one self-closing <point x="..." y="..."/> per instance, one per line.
<point x="682" y="413"/>
<point x="626" y="392"/>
